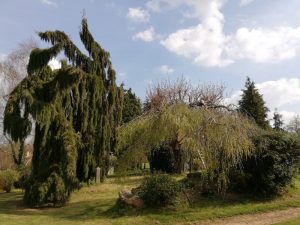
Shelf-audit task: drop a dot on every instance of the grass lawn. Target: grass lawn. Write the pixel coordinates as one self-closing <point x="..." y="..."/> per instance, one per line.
<point x="96" y="205"/>
<point x="295" y="221"/>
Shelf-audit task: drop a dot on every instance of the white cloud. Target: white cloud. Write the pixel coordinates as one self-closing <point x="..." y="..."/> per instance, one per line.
<point x="54" y="64"/>
<point x="206" y="44"/>
<point x="49" y="2"/>
<point x="245" y="2"/>
<point x="202" y="44"/>
<point x="165" y="69"/>
<point x="234" y="98"/>
<point x="138" y="15"/>
<point x="147" y="35"/>
<point x="264" y="45"/>
<point x="281" y="92"/>
<point x="154" y="5"/>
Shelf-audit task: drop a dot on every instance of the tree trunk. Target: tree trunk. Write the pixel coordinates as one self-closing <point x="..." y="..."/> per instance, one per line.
<point x="177" y="156"/>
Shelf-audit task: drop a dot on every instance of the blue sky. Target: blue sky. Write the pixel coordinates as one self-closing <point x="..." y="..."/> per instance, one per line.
<point x="219" y="41"/>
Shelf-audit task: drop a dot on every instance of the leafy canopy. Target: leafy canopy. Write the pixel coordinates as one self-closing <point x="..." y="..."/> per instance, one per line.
<point x="218" y="138"/>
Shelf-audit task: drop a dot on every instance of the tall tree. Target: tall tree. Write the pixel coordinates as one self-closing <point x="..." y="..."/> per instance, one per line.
<point x="76" y="110"/>
<point x="278" y="122"/>
<point x="181" y="91"/>
<point x="253" y="105"/>
<point x="132" y="106"/>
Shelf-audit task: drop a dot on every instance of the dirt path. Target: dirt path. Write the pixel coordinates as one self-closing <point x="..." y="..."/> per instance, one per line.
<point x="266" y="218"/>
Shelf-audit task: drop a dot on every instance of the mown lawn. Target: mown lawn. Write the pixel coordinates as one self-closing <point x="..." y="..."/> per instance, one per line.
<point x="295" y="221"/>
<point x="96" y="205"/>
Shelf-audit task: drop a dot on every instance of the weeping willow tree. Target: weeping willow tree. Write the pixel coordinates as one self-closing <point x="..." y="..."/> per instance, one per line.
<point x="217" y="137"/>
<point x="76" y="111"/>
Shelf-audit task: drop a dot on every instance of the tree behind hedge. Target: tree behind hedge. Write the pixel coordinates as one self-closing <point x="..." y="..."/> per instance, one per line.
<point x="132" y="106"/>
<point x="76" y="110"/>
<point x="253" y="105"/>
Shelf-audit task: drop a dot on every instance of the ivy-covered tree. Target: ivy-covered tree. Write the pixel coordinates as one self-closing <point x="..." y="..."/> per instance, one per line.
<point x="132" y="106"/>
<point x="76" y="111"/>
<point x="253" y="105"/>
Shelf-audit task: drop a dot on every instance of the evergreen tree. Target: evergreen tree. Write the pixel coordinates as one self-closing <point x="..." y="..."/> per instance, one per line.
<point x="131" y="106"/>
<point x="278" y="122"/>
<point x="253" y="105"/>
<point x="76" y="110"/>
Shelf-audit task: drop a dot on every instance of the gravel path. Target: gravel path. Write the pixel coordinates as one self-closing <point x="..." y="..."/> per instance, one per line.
<point x="266" y="218"/>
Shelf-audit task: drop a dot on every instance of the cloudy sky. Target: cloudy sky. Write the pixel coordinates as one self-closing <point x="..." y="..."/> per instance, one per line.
<point x="219" y="41"/>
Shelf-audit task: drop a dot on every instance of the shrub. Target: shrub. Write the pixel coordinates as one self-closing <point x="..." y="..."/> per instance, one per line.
<point x="24" y="175"/>
<point x="273" y="166"/>
<point x="201" y="182"/>
<point x="159" y="190"/>
<point x="7" y="179"/>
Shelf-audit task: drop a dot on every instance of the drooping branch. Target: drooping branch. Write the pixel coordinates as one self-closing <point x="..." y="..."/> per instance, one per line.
<point x="76" y="110"/>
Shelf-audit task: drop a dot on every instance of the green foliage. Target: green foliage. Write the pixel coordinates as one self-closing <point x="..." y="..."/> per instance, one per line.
<point x="7" y="179"/>
<point x="278" y="122"/>
<point x="131" y="106"/>
<point x="272" y="167"/>
<point x="201" y="182"/>
<point x="54" y="190"/>
<point x="253" y="105"/>
<point x="24" y="176"/>
<point x="219" y="139"/>
<point x="76" y="111"/>
<point x="159" y="190"/>
<point x="162" y="159"/>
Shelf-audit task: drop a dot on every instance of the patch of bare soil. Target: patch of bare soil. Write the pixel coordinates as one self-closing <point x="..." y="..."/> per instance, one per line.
<point x="266" y="218"/>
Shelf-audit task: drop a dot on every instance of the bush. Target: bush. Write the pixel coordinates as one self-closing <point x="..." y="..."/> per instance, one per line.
<point x="273" y="166"/>
<point x="159" y="190"/>
<point x="201" y="182"/>
<point x="24" y="175"/>
<point x="7" y="179"/>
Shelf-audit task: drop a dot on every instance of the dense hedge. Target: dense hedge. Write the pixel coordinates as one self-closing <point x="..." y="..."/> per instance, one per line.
<point x="271" y="168"/>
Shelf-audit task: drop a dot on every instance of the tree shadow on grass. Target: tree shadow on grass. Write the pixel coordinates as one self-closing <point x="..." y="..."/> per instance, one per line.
<point x="11" y="201"/>
<point x="106" y="208"/>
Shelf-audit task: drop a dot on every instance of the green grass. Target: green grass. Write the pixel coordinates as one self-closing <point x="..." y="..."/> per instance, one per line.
<point x="96" y="205"/>
<point x="295" y="221"/>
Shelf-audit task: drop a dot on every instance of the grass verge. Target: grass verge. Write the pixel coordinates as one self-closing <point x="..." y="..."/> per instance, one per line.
<point x="96" y="205"/>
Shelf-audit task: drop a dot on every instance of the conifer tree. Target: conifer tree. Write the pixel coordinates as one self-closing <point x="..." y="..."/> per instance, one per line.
<point x="253" y="105"/>
<point x="131" y="107"/>
<point x="76" y="111"/>
<point x="278" y="122"/>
